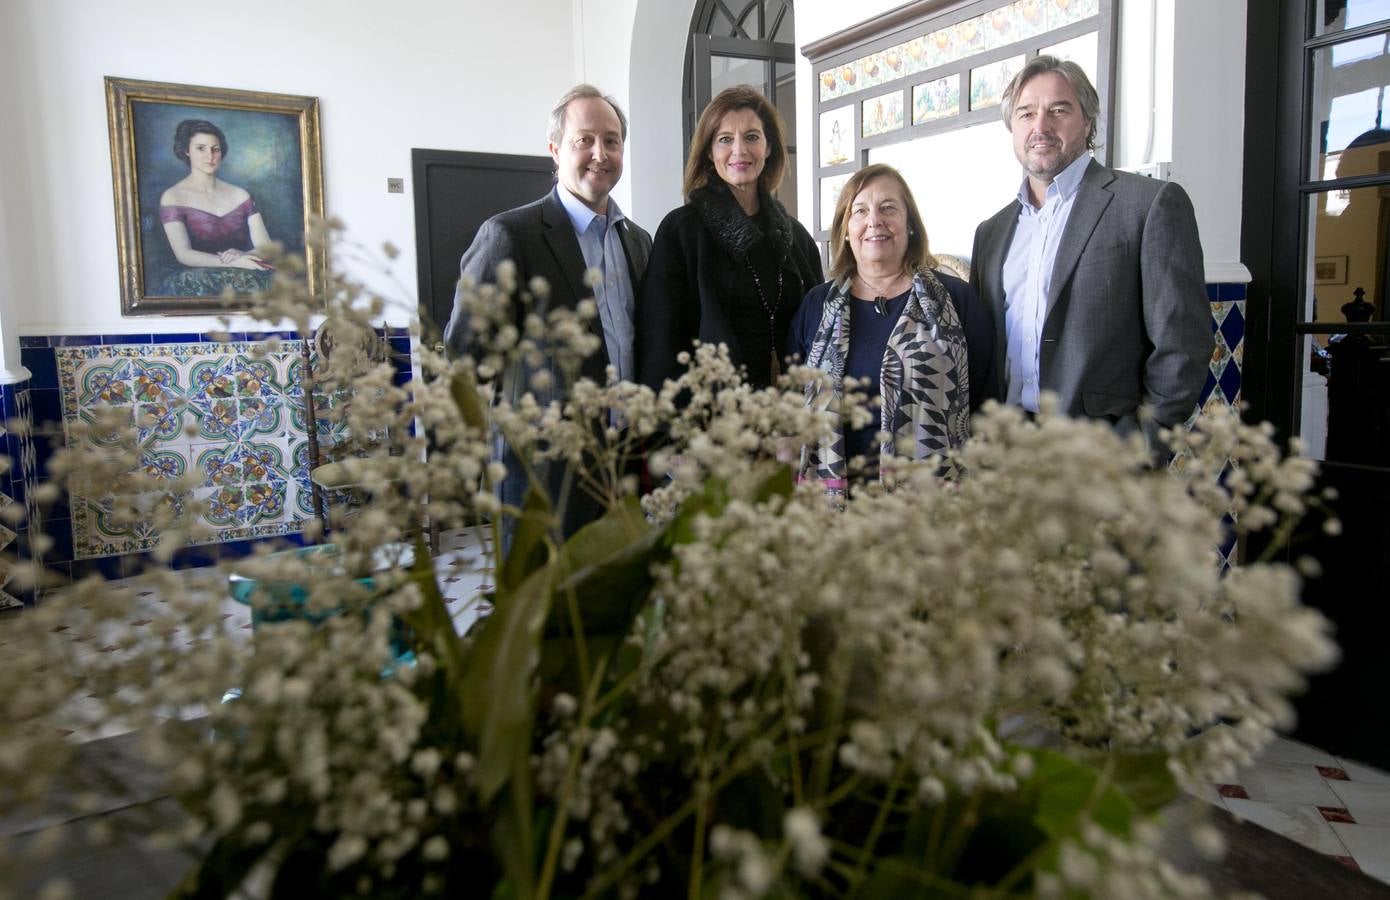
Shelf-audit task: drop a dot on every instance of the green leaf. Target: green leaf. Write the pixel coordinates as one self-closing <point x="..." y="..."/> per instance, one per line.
<point x="527" y="552"/>
<point x="470" y="406"/>
<point x="221" y="870"/>
<point x="900" y="878"/>
<point x="497" y="691"/>
<point x="1066" y="789"/>
<point x="433" y="627"/>
<point x="513" y="834"/>
<point x="763" y="482"/>
<point x="1143" y="777"/>
<point x="607" y="564"/>
<point x="617" y="529"/>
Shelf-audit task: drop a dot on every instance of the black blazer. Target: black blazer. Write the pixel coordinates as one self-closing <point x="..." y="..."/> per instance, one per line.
<point x="698" y="275"/>
<point x="539" y="237"/>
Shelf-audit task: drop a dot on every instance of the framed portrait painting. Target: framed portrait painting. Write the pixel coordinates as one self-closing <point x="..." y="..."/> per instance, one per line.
<point x="207" y="181"/>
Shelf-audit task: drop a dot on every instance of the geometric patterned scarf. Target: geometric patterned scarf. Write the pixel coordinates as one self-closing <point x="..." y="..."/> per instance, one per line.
<point x="925" y="381"/>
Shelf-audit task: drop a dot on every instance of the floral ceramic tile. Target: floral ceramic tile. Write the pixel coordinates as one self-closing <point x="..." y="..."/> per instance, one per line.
<point x="1002" y="26"/>
<point x="970" y="37"/>
<point x="915" y="52"/>
<point x="241" y="401"/>
<point x="941" y="47"/>
<point x="1029" y="18"/>
<point x="1061" y="13"/>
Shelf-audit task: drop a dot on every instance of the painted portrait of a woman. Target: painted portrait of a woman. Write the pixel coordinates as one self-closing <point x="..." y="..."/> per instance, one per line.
<point x="215" y="230"/>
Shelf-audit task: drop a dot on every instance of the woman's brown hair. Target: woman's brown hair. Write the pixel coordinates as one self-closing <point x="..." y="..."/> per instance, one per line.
<point x="699" y="168"/>
<point x="842" y="262"/>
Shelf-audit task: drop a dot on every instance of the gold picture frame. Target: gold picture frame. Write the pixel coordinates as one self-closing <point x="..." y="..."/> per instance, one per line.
<point x="1330" y="270"/>
<point x="201" y="177"/>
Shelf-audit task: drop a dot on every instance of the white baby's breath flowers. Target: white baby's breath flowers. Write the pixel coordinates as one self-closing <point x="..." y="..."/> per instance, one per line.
<point x="821" y="654"/>
<point x="809" y="847"/>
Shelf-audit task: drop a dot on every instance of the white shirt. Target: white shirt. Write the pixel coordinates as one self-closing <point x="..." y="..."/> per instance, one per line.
<point x="1028" y="277"/>
<point x="601" y="243"/>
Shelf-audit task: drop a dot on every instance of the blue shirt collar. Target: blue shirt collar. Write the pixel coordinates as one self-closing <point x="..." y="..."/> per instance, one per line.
<point x="580" y="215"/>
<point x="1067" y="182"/>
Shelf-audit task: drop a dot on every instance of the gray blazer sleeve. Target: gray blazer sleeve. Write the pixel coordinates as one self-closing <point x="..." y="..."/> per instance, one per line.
<point x="1177" y="315"/>
<point x="493" y="243"/>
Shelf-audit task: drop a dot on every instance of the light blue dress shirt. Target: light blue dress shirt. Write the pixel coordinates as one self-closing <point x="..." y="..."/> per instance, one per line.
<point x="602" y="246"/>
<point x="1028" y="277"/>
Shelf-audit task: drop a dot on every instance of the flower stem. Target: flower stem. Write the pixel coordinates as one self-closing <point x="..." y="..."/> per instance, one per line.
<point x="562" y="805"/>
<point x="866" y="852"/>
<point x="602" y="884"/>
<point x="697" y="853"/>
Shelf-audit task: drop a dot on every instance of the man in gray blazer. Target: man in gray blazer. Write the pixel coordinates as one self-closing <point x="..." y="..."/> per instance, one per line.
<point x="574" y="229"/>
<point x="1094" y="277"/>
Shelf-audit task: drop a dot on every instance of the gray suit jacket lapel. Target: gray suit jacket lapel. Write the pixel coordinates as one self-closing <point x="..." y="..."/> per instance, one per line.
<point x="1091" y="200"/>
<point x="560" y="238"/>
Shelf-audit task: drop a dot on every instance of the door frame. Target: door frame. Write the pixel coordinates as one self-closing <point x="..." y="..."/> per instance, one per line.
<point x="427" y="166"/>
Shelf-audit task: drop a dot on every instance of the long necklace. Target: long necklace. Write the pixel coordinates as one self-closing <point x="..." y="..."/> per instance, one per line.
<point x="771" y="310"/>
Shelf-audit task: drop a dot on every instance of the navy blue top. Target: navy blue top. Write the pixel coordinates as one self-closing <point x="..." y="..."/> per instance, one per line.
<point x="869" y="333"/>
<point x="868" y="337"/>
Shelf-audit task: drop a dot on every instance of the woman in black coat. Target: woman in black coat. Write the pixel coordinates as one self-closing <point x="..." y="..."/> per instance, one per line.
<point x="730" y="266"/>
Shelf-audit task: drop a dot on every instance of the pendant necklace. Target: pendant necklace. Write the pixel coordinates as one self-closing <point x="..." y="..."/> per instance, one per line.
<point x="771" y="310"/>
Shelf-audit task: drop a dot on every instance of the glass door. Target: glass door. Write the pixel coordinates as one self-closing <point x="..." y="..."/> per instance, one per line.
<point x="1314" y="232"/>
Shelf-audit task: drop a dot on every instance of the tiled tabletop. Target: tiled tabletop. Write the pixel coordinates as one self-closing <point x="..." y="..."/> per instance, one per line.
<point x="1335" y="806"/>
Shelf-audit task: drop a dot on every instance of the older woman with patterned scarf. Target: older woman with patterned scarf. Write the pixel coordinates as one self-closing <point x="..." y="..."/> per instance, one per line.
<point x="919" y="337"/>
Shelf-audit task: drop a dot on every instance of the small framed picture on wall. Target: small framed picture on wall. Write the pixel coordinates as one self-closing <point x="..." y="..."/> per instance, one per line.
<point x="210" y="185"/>
<point x="1330" y="270"/>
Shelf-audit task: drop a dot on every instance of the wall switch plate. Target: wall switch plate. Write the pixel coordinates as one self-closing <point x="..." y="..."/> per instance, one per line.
<point x="395" y="185"/>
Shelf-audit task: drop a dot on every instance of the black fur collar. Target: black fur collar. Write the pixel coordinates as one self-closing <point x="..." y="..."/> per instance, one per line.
<point x="735" y="230"/>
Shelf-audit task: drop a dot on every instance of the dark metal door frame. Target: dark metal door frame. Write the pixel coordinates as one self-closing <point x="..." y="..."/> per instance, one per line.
<point x="439" y="238"/>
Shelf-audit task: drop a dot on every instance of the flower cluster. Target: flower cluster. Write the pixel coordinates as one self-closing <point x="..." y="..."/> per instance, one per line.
<point x="743" y="692"/>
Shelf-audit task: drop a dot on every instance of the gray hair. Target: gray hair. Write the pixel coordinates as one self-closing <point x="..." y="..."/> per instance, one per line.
<point x="581" y="92"/>
<point x="1076" y="77"/>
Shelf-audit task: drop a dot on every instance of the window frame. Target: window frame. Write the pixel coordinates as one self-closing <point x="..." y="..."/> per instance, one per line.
<point x="920" y="19"/>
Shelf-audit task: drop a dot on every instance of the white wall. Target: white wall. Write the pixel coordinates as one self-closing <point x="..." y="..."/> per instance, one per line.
<point x="656" y="147"/>
<point x="17" y="273"/>
<point x="1180" y="93"/>
<point x="1208" y="115"/>
<point x="600" y="28"/>
<point x="390" y="76"/>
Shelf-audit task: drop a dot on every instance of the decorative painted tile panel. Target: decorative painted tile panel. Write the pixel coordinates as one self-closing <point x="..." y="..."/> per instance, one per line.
<point x="229" y="412"/>
<point x="16" y="503"/>
<point x="1008" y="24"/>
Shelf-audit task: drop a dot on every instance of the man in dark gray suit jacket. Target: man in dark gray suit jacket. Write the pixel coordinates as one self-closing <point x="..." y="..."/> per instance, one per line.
<point x="574" y="229"/>
<point x="1094" y="277"/>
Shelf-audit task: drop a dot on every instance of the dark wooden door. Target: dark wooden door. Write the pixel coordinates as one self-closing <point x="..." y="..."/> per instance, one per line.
<point x="455" y="192"/>
<point x="1317" y="363"/>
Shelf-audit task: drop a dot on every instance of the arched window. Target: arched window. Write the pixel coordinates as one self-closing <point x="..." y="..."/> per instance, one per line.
<point x="744" y="42"/>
